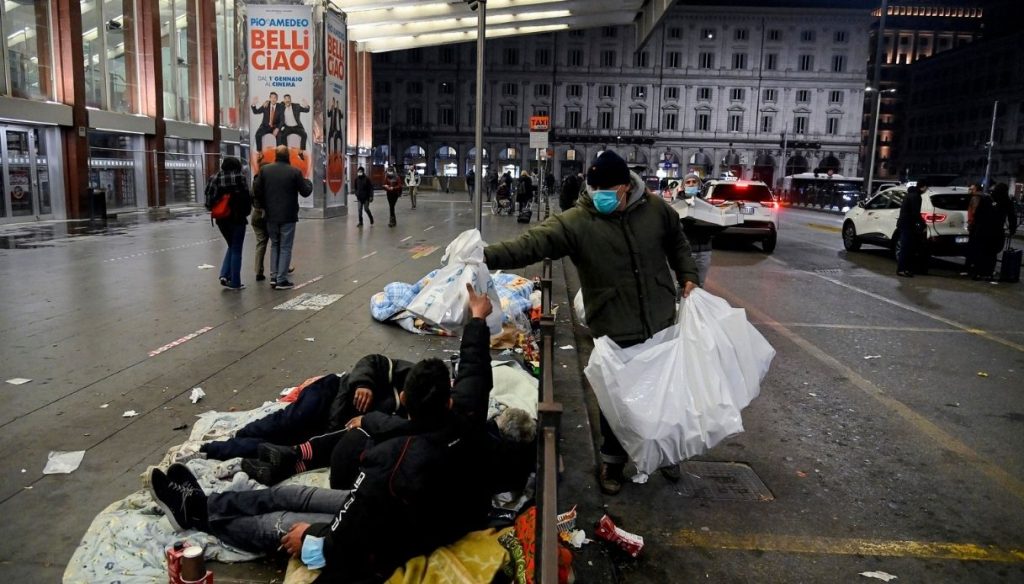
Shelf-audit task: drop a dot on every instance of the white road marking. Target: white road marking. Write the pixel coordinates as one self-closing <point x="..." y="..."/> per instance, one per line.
<point x="304" y="284"/>
<point x="307" y="301"/>
<point x="372" y="253"/>
<point x="183" y="339"/>
<point x="428" y="228"/>
<point x="406" y="239"/>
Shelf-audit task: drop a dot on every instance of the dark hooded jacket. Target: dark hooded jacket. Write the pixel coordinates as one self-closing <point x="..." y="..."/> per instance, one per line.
<point x="418" y="490"/>
<point x="277" y="189"/>
<point x="623" y="260"/>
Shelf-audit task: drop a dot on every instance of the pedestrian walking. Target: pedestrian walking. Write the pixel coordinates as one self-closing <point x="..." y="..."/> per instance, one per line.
<point x="623" y="242"/>
<point x="525" y="192"/>
<point x="993" y="216"/>
<point x="412" y="182"/>
<point x="470" y="183"/>
<point x="393" y="188"/>
<point x="259" y="229"/>
<point x="364" y="195"/>
<point x="699" y="235"/>
<point x="229" y="182"/>
<point x="571" y="186"/>
<point x="912" y="230"/>
<point x="549" y="184"/>
<point x="278" y="187"/>
<point x="978" y="198"/>
<point x="492" y="183"/>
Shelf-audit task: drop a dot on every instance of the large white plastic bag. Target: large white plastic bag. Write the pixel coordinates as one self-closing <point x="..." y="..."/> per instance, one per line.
<point x="681" y="392"/>
<point x="444" y="300"/>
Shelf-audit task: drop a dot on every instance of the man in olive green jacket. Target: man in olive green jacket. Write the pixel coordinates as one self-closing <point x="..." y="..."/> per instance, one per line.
<point x="623" y="242"/>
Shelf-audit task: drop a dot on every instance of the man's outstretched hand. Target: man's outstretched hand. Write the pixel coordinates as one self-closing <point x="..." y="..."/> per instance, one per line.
<point x="687" y="288"/>
<point x="292" y="541"/>
<point x="479" y="304"/>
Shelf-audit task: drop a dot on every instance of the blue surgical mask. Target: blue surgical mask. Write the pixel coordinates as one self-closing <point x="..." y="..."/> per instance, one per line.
<point x="691" y="191"/>
<point x="605" y="201"/>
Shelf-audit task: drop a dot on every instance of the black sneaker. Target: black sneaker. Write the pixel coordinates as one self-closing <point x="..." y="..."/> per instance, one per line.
<point x="263" y="472"/>
<point x="260" y="277"/>
<point x="223" y="281"/>
<point x="179" y="496"/>
<point x="284" y="285"/>
<point x="273" y="283"/>
<point x="671" y="473"/>
<point x="282" y="457"/>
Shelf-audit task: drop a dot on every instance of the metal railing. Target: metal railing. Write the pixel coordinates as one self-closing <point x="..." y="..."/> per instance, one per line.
<point x="548" y="419"/>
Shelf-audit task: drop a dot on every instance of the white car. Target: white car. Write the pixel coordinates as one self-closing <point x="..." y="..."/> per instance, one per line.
<point x="944" y="210"/>
<point x="757" y="204"/>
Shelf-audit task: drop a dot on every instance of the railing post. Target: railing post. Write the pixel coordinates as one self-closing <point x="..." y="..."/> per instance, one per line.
<point x="549" y="415"/>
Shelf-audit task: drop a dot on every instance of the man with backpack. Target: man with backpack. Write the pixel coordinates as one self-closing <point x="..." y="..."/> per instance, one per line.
<point x="229" y="203"/>
<point x="277" y="188"/>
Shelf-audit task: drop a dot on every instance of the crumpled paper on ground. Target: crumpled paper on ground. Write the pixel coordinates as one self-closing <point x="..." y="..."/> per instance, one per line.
<point x="59" y="462"/>
<point x="196" y="395"/>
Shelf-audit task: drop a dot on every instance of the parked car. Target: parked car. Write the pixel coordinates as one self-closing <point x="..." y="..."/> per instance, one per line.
<point x="944" y="210"/>
<point x="758" y="205"/>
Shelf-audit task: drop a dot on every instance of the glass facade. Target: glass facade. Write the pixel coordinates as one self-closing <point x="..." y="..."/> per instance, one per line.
<point x="116" y="165"/>
<point x="26" y="53"/>
<point x="179" y="47"/>
<point x="226" y="62"/>
<point x="109" y="43"/>
<point x="184" y="167"/>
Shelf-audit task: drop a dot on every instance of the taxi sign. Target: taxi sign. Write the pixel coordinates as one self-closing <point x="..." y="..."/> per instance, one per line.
<point x="540" y="123"/>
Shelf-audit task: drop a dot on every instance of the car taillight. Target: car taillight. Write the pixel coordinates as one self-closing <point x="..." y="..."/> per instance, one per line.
<point x="933" y="217"/>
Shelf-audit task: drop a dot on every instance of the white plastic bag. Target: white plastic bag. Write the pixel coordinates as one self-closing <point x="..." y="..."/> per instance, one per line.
<point x="444" y="301"/>
<point x="681" y="392"/>
<point x="577" y="305"/>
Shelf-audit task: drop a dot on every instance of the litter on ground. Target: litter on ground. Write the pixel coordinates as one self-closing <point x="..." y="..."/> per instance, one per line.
<point x="196" y="395"/>
<point x="129" y="414"/>
<point x="885" y="577"/>
<point x="18" y="381"/>
<point x="58" y="462"/>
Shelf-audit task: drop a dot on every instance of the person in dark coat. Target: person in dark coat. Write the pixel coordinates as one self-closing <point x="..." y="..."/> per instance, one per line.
<point x="912" y="229"/>
<point x="549" y="183"/>
<point x="525" y="193"/>
<point x="413" y="493"/>
<point x="471" y="183"/>
<point x="393" y="188"/>
<point x="364" y="194"/>
<point x="993" y="217"/>
<point x="697" y="233"/>
<point x="278" y="187"/>
<point x="230" y="182"/>
<point x="273" y="118"/>
<point x="571" y="186"/>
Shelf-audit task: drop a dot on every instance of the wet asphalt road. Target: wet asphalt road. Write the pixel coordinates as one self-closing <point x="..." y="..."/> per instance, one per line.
<point x="873" y="464"/>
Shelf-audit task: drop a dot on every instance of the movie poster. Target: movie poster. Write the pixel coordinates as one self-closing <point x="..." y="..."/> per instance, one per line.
<point x="281" y="83"/>
<point x="335" y="106"/>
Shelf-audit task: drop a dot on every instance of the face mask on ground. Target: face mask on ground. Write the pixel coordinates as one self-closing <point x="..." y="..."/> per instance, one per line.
<point x="605" y="201"/>
<point x="691" y="191"/>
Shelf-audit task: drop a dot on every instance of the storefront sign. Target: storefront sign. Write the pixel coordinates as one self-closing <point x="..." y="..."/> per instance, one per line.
<point x="335" y="105"/>
<point x="280" y="83"/>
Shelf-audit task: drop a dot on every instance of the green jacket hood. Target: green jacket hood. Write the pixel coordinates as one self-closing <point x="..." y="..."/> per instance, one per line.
<point x="637" y="188"/>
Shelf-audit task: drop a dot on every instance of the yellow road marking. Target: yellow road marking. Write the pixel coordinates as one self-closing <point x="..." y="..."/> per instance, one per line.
<point x="820" y="227"/>
<point x="422" y="251"/>
<point x="845" y="546"/>
<point x="919" y="422"/>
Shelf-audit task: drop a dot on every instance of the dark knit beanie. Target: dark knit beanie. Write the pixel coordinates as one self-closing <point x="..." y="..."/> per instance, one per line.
<point x="608" y="170"/>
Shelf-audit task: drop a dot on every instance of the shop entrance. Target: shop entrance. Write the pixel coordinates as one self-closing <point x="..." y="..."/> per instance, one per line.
<point x="24" y="175"/>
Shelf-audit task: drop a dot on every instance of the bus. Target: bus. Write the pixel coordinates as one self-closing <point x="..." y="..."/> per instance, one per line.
<point x="815" y="189"/>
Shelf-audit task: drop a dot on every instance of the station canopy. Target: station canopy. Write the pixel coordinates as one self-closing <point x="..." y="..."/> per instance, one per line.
<point x="381" y="26"/>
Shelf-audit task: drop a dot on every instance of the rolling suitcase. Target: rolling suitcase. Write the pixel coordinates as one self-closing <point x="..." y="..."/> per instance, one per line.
<point x="525" y="215"/>
<point x="1009" y="270"/>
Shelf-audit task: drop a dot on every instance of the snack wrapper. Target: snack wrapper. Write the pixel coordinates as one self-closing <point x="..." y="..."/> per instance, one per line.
<point x="630" y="542"/>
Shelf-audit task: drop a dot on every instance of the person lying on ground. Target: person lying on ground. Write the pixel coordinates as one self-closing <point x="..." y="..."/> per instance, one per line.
<point x="414" y="493"/>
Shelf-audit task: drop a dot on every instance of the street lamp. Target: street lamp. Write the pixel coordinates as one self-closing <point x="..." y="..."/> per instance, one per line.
<point x="874" y="132"/>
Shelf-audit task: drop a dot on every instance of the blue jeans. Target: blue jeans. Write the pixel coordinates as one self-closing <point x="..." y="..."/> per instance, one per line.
<point x="703" y="261"/>
<point x="282" y="236"/>
<point x="231" y="267"/>
<point x="256" y="520"/>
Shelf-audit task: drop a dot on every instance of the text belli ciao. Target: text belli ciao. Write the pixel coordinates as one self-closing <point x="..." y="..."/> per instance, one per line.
<point x="277" y="50"/>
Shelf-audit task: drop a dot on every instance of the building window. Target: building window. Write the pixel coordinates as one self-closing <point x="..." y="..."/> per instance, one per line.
<point x="642" y="59"/>
<point x="542" y="90"/>
<point x="739" y="60"/>
<point x="609" y="32"/>
<point x="446" y="116"/>
<point x="841" y="36"/>
<point x="382" y="87"/>
<point x="577" y="33"/>
<point x="737" y="94"/>
<point x="510" y="56"/>
<point x="803" y="96"/>
<point x="637" y="120"/>
<point x="832" y="125"/>
<point x="509" y="89"/>
<point x="838" y="63"/>
<point x="675" y="33"/>
<point x="447" y="55"/>
<point x="605" y="119"/>
<point x="703" y="122"/>
<point x="808" y="36"/>
<point x="674" y="60"/>
<point x="766" y="123"/>
<point x="574" y="90"/>
<point x="741" y="34"/>
<point x="707" y="33"/>
<point x="575" y="57"/>
<point x="109" y="45"/>
<point x="704" y="93"/>
<point x="607" y="92"/>
<point x="735" y="122"/>
<point x="509" y="117"/>
<point x="775" y="35"/>
<point x="543" y="57"/>
<point x="446" y="88"/>
<point x="800" y="124"/>
<point x="770" y="94"/>
<point x="639" y="92"/>
<point x="414" y="116"/>
<point x="414" y="56"/>
<point x="706" y="60"/>
<point x="26" y="32"/>
<point x="671" y="121"/>
<point x="771" y="61"/>
<point x="572" y="119"/>
<point x="607" y="58"/>
<point x="671" y="93"/>
<point x="540" y="111"/>
<point x="382" y="115"/>
<point x="806" y="62"/>
<point x="415" y="87"/>
<point x="835" y="97"/>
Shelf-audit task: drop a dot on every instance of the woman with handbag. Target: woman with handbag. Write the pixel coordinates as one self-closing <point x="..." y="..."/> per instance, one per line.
<point x="228" y="196"/>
